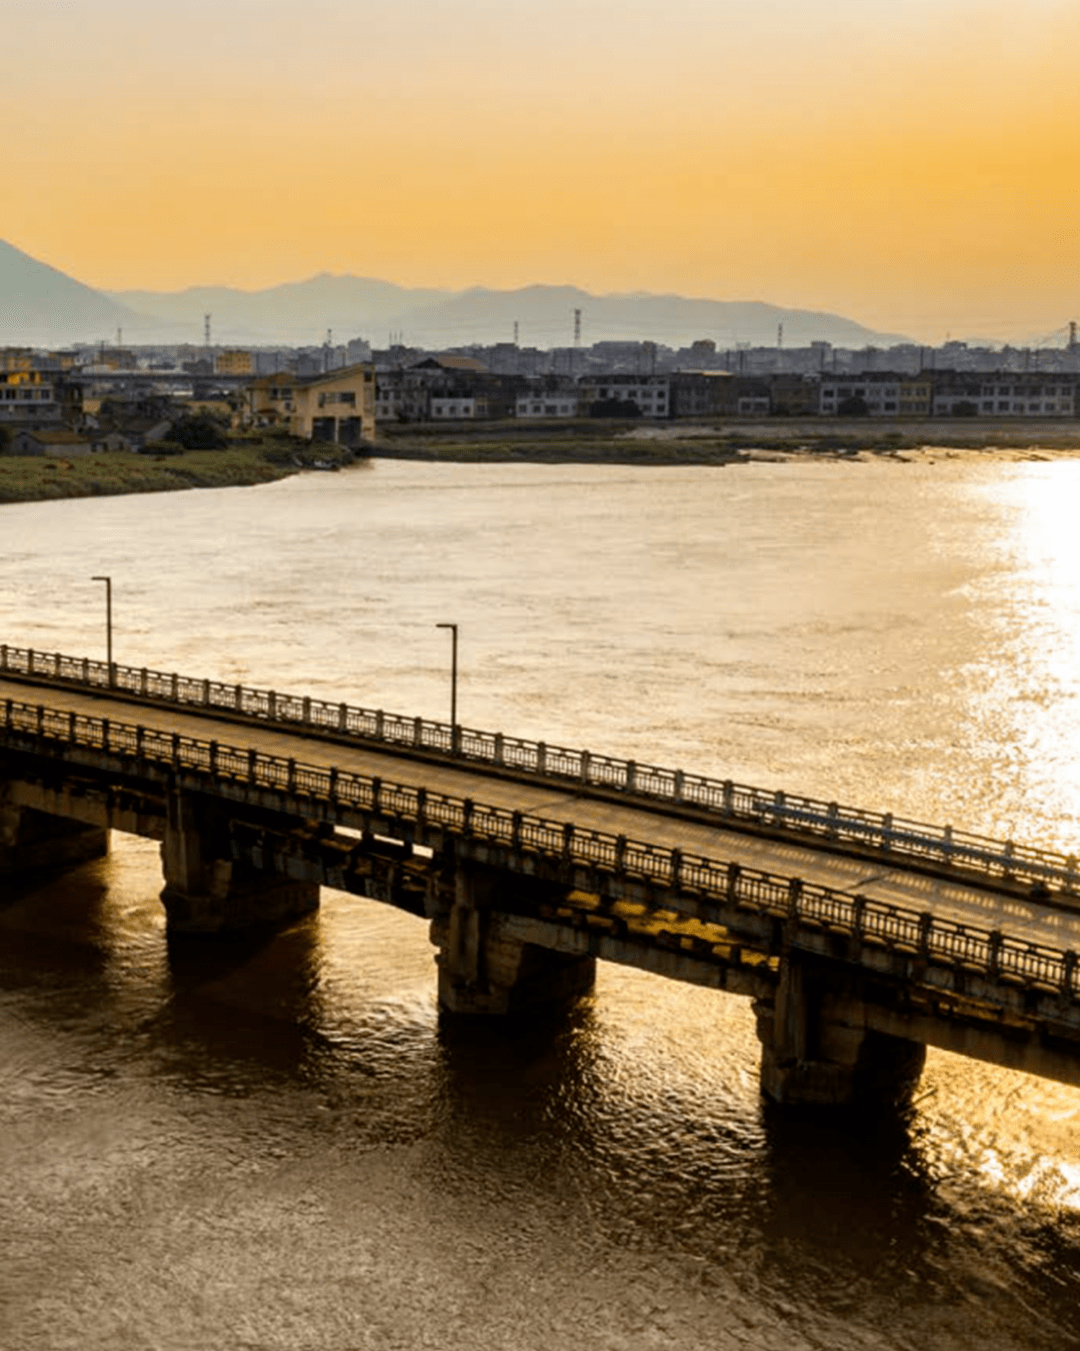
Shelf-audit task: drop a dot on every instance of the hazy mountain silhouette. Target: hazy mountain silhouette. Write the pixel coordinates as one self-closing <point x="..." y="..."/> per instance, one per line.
<point x="301" y="312"/>
<point x="40" y="305"/>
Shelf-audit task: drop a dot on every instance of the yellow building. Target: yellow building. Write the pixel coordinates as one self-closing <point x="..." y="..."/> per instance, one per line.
<point x="337" y="407"/>
<point x="234" y="362"/>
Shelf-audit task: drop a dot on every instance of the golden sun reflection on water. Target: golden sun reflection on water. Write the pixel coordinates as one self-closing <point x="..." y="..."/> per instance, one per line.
<point x="1022" y="678"/>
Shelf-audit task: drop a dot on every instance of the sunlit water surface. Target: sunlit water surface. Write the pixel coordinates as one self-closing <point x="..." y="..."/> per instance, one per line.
<point x="280" y="1145"/>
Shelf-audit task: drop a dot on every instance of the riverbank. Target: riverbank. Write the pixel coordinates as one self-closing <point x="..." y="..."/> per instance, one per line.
<point x="590" y="441"/>
<point x="249" y="461"/>
<point x="111" y="473"/>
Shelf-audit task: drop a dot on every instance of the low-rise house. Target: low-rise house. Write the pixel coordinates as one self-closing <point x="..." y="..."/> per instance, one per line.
<point x="870" y="394"/>
<point x="48" y="441"/>
<point x="337" y="407"/>
<point x="649" y="394"/>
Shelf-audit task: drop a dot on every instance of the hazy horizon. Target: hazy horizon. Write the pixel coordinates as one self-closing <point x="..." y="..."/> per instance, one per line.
<point x="906" y="167"/>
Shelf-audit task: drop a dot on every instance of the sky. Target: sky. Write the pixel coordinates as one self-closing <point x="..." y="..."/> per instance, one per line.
<point x="910" y="164"/>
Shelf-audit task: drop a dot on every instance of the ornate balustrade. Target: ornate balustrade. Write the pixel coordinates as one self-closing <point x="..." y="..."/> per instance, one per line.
<point x="829" y="821"/>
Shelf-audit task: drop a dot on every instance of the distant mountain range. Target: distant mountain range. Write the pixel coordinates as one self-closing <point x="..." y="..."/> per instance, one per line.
<point x="44" y="307"/>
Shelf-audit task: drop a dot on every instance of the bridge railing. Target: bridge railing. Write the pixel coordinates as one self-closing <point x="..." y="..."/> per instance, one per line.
<point x="992" y="953"/>
<point x="741" y="803"/>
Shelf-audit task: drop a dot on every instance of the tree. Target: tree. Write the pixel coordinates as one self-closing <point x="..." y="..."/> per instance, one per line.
<point x="854" y="406"/>
<point x="199" y="431"/>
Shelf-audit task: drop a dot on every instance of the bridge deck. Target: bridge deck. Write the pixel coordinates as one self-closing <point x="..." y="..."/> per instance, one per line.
<point x="891" y="885"/>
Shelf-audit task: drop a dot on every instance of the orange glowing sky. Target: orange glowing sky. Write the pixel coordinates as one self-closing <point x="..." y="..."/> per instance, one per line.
<point x="910" y="164"/>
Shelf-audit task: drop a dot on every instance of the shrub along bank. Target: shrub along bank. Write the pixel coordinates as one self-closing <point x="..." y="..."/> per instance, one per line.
<point x="164" y="468"/>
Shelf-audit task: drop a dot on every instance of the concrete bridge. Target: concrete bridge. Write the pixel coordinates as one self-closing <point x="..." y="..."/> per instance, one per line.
<point x="861" y="938"/>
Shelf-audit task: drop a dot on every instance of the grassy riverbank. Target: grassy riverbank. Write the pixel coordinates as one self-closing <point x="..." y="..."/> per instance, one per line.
<point x="592" y="441"/>
<point x="255" y="460"/>
<point x="37" y="478"/>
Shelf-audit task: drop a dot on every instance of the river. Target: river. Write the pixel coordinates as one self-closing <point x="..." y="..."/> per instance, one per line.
<point x="277" y="1146"/>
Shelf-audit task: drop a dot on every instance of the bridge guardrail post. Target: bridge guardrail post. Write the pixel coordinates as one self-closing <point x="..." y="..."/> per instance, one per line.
<point x="498" y="752"/>
<point x="630" y="771"/>
<point x="515" y="830"/>
<point x="30" y="661"/>
<point x="418" y="731"/>
<point x="678" y="786"/>
<point x="105" y="734"/>
<point x="212" y="757"/>
<point x="466" y="816"/>
<point x="253" y="765"/>
<point x="140" y="731"/>
<point x="71" y="725"/>
<point x="993" y="957"/>
<point x="675" y="860"/>
<point x="343" y="717"/>
<point x="947" y="843"/>
<point x="3" y="657"/>
<point x="832" y="814"/>
<point x="376" y="796"/>
<point x="1070" y="873"/>
<point x="380" y="725"/>
<point x="887" y="831"/>
<point x="305" y="711"/>
<point x="794" y="897"/>
<point x="1068" y="974"/>
<point x="734" y="874"/>
<point x="290" y="775"/>
<point x="620" y="853"/>
<point x="332" y="790"/>
<point x="728" y="801"/>
<point x="926" y="925"/>
<point x="541" y="757"/>
<point x="176" y="749"/>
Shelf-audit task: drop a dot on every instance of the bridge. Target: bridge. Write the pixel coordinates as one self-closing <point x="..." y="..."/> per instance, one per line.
<point x="861" y="938"/>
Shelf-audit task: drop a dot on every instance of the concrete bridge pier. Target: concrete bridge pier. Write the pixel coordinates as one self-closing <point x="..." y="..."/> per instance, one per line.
<point x="32" y="840"/>
<point x="817" y="1050"/>
<point x="206" y="890"/>
<point x="485" y="970"/>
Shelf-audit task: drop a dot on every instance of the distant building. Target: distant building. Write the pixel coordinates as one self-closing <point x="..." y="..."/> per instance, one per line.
<point x="233" y="361"/>
<point x="650" y="394"/>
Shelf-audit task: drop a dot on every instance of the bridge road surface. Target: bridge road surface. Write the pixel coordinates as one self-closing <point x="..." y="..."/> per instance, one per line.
<point x="888" y="882"/>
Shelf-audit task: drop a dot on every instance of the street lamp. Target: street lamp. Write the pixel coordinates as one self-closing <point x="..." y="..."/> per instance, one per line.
<point x="108" y="624"/>
<point x="453" y="684"/>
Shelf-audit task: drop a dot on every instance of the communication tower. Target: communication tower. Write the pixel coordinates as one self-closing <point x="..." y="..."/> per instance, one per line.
<point x="206" y="329"/>
<point x="1072" y="336"/>
<point x="516" y="332"/>
<point x="577" y="328"/>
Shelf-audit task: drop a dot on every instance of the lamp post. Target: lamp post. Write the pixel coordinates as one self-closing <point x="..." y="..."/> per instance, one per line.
<point x="453" y="684"/>
<point x="108" y="624"/>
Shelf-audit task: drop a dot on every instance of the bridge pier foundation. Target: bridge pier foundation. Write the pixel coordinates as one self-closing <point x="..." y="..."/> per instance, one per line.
<point x="32" y="840"/>
<point x="206" y="890"/>
<point x="485" y="970"/>
<point x="816" y="1049"/>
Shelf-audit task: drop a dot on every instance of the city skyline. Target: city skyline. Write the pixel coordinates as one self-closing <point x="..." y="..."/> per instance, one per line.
<point x="907" y="168"/>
